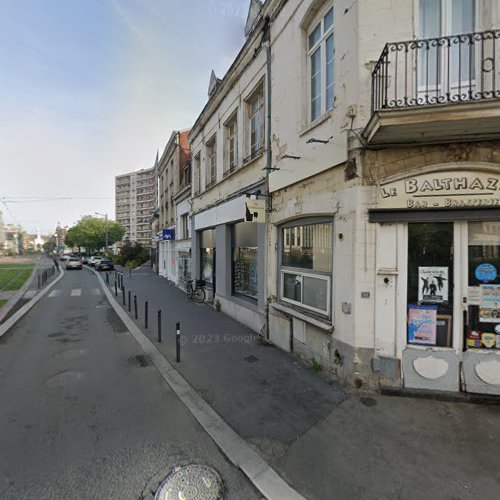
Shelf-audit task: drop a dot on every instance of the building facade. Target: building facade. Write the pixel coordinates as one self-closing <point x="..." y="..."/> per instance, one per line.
<point x="228" y="149"/>
<point x="135" y="201"/>
<point x="174" y="181"/>
<point x="383" y="242"/>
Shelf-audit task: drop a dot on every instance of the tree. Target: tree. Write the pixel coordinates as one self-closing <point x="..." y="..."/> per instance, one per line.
<point x="90" y="232"/>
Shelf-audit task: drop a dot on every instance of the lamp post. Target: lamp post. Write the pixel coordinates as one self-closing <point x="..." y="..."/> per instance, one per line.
<point x="105" y="228"/>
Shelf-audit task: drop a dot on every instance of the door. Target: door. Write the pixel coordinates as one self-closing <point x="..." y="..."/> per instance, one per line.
<point x="431" y="359"/>
<point x="481" y="308"/>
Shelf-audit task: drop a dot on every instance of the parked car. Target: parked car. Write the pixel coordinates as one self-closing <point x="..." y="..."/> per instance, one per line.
<point x="104" y="265"/>
<point x="73" y="263"/>
<point x="94" y="260"/>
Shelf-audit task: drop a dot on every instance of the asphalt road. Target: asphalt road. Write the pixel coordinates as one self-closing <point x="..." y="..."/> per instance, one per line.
<point x="83" y="414"/>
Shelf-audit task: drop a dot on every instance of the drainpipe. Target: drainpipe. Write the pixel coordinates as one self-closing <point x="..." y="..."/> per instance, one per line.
<point x="266" y="41"/>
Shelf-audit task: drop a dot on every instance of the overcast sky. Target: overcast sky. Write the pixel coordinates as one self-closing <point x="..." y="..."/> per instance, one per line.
<point x="92" y="88"/>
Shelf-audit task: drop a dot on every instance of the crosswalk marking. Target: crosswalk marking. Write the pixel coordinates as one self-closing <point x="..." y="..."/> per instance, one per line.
<point x="54" y="293"/>
<point x="96" y="291"/>
<point x="76" y="292"/>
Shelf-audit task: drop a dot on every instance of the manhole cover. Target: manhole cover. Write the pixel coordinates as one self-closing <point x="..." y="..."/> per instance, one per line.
<point x="192" y="482"/>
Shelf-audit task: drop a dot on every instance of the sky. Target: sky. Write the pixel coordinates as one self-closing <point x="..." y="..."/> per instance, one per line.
<point x="90" y="89"/>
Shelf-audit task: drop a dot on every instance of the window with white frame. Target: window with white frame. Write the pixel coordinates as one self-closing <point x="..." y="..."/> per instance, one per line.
<point x="320" y="54"/>
<point x="306" y="265"/>
<point x="197" y="174"/>
<point x="211" y="171"/>
<point x="185" y="225"/>
<point x="231" y="150"/>
<point x="256" y="121"/>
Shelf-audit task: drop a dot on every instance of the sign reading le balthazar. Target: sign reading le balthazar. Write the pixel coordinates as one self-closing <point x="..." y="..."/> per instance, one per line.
<point x="442" y="189"/>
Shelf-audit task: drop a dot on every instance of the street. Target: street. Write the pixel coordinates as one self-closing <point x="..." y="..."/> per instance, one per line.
<point x="84" y="414"/>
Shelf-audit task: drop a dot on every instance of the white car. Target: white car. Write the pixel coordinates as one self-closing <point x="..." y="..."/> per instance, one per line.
<point x="94" y="260"/>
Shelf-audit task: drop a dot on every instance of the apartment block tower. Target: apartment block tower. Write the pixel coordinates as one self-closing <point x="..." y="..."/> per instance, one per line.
<point x="135" y="202"/>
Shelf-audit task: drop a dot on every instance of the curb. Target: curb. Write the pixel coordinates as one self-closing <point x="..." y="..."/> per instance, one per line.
<point x="450" y="397"/>
<point x="18" y="294"/>
<point x="236" y="449"/>
<point x="4" y="327"/>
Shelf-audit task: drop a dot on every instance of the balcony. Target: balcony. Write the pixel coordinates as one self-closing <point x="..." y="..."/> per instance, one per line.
<point x="436" y="90"/>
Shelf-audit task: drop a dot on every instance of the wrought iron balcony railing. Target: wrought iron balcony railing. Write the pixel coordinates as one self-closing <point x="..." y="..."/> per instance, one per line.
<point x="448" y="69"/>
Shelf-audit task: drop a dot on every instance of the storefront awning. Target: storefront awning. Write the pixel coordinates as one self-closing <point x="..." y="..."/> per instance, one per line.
<point x="434" y="214"/>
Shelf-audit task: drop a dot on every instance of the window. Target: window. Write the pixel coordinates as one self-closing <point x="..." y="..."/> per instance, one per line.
<point x="320" y="43"/>
<point x="231" y="131"/>
<point x="256" y="122"/>
<point x="245" y="251"/>
<point x="211" y="172"/>
<point x="445" y="64"/>
<point x="197" y="174"/>
<point x="186" y="175"/>
<point x="185" y="225"/>
<point x="306" y="265"/>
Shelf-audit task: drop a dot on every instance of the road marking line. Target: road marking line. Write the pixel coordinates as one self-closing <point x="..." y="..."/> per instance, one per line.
<point x="30" y="294"/>
<point x="54" y="293"/>
<point x="76" y="292"/>
<point x="96" y="291"/>
<point x="239" y="452"/>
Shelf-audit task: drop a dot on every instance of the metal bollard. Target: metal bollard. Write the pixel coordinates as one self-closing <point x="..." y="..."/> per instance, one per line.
<point x="146" y="315"/>
<point x="159" y="326"/>
<point x="178" y="342"/>
<point x="135" y="306"/>
<point x="116" y="289"/>
<point x="129" y="302"/>
<point x="107" y="278"/>
<point x="129" y="272"/>
<point x="123" y="295"/>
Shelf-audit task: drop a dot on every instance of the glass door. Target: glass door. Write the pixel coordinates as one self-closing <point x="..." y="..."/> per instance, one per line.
<point x="482" y="318"/>
<point x="430" y="290"/>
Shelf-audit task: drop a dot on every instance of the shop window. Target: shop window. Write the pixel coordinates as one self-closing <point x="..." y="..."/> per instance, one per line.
<point x="483" y="298"/>
<point x="207" y="255"/>
<point x="244" y="263"/>
<point x="430" y="284"/>
<point x="184" y="263"/>
<point x="306" y="265"/>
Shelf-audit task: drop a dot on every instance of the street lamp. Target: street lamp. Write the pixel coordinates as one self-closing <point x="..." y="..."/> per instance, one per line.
<point x="105" y="228"/>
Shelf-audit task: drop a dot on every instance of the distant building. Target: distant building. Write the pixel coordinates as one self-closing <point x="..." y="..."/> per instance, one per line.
<point x="60" y="235"/>
<point x="135" y="201"/>
<point x="174" y="181"/>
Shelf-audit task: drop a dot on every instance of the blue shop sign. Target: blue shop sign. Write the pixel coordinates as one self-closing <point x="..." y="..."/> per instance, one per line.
<point x="486" y="272"/>
<point x="168" y="234"/>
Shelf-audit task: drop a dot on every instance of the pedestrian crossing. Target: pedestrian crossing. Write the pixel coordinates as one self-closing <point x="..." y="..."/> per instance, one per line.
<point x="75" y="292"/>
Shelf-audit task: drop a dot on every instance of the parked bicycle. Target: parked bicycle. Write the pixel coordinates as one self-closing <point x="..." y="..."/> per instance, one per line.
<point x="198" y="292"/>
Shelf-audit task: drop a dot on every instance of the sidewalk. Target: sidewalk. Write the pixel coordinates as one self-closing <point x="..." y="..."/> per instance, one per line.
<point x="324" y="441"/>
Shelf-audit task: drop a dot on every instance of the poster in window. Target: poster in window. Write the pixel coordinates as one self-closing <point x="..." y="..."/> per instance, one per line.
<point x="422" y="323"/>
<point x="489" y="310"/>
<point x="433" y="285"/>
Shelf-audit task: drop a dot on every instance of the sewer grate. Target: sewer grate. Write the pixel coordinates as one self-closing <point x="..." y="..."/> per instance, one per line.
<point x="192" y="482"/>
<point x="251" y="359"/>
<point x="142" y="360"/>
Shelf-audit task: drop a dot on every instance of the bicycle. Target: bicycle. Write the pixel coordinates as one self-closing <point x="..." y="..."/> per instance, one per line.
<point x="198" y="292"/>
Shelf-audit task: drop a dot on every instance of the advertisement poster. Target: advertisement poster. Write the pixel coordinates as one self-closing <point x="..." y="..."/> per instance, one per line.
<point x="474" y="296"/>
<point x="489" y="310"/>
<point x="433" y="285"/>
<point x="422" y="321"/>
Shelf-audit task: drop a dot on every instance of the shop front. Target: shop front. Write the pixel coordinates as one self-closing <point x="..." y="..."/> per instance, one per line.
<point x="438" y="277"/>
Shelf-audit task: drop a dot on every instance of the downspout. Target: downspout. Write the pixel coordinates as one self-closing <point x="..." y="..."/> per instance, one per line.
<point x="269" y="156"/>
